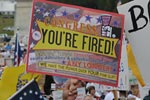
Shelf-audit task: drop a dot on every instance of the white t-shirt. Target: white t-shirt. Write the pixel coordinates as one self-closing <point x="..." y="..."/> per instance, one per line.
<point x="109" y="96"/>
<point x="133" y="96"/>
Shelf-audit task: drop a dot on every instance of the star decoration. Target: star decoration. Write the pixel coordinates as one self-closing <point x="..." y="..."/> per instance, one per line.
<point x="36" y="93"/>
<point x="37" y="10"/>
<point x="20" y="98"/>
<point x="42" y="9"/>
<point x="30" y="91"/>
<point x="99" y="20"/>
<point x="115" y="23"/>
<point x="46" y="14"/>
<point x="64" y="13"/>
<point x="53" y="11"/>
<point x="88" y="18"/>
<point x="114" y="70"/>
<point x="40" y="97"/>
<point x="24" y="93"/>
<point x="76" y="16"/>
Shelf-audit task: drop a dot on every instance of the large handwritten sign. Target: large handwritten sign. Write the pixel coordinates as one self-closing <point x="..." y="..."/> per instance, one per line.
<point x="137" y="18"/>
<point x="75" y="42"/>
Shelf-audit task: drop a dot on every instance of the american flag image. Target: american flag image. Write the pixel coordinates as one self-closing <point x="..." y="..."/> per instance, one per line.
<point x="30" y="91"/>
<point x="17" y="52"/>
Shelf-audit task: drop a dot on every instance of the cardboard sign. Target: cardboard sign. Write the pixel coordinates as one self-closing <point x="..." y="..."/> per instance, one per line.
<point x="123" y="80"/>
<point x="137" y="25"/>
<point x="75" y="42"/>
<point x="57" y="95"/>
<point x="81" y="93"/>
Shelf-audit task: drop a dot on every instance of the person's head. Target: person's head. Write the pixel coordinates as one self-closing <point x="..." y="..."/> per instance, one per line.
<point x="122" y="93"/>
<point x="91" y="90"/>
<point x="135" y="90"/>
<point x="70" y="89"/>
<point x="130" y="92"/>
<point x="88" y="97"/>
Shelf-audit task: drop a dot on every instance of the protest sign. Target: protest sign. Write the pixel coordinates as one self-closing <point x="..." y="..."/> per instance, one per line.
<point x="12" y="79"/>
<point x="57" y="95"/>
<point x="81" y="93"/>
<point x="75" y="42"/>
<point x="137" y="27"/>
<point x="123" y="80"/>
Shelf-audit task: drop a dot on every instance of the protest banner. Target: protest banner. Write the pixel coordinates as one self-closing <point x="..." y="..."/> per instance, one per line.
<point x="123" y="80"/>
<point x="137" y="17"/>
<point x="12" y="79"/>
<point x="30" y="91"/>
<point x="75" y="42"/>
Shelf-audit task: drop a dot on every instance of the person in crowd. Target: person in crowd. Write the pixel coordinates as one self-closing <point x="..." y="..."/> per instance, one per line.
<point x="109" y="96"/>
<point x="135" y="90"/>
<point x="69" y="86"/>
<point x="91" y="91"/>
<point x="88" y="97"/>
<point x="47" y="86"/>
<point x="5" y="53"/>
<point x="70" y="89"/>
<point x="148" y="96"/>
<point x="122" y="95"/>
<point x="97" y="88"/>
<point x="8" y="47"/>
<point x="132" y="96"/>
<point x="102" y="96"/>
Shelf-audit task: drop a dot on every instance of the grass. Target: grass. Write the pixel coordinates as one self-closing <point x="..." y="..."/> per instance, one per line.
<point x="6" y="22"/>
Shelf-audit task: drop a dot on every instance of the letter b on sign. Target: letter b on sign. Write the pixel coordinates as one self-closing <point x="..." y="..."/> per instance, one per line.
<point x="139" y="16"/>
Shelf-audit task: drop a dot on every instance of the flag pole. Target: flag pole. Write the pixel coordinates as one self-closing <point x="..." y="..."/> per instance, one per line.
<point x="17" y="47"/>
<point x="16" y="54"/>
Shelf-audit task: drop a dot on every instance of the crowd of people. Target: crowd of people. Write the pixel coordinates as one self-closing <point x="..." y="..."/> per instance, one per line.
<point x="70" y="86"/>
<point x="70" y="90"/>
<point x="7" y="50"/>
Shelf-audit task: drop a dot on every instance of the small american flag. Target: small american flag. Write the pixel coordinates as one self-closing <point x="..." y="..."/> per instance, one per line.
<point x="17" y="52"/>
<point x="30" y="91"/>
